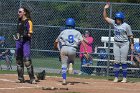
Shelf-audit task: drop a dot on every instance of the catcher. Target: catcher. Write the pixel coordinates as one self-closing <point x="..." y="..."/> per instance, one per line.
<point x="23" y="45"/>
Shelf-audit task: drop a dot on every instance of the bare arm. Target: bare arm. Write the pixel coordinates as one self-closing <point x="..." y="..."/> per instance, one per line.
<point x="84" y="39"/>
<point x="16" y="37"/>
<point x="83" y="43"/>
<point x="132" y="42"/>
<point x="105" y="14"/>
<point x="56" y="40"/>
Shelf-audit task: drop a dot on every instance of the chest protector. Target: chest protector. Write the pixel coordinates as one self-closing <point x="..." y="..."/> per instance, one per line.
<point x="23" y="28"/>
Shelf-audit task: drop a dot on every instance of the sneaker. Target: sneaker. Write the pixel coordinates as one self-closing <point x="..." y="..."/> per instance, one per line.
<point x="64" y="82"/>
<point x="33" y="81"/>
<point x="116" y="80"/>
<point x="70" y="70"/>
<point x="124" y="80"/>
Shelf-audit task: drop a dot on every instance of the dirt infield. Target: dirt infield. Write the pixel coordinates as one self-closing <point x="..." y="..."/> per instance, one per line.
<point x="8" y="85"/>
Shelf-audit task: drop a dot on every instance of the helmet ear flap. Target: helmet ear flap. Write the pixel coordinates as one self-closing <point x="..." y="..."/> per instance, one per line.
<point x="122" y="20"/>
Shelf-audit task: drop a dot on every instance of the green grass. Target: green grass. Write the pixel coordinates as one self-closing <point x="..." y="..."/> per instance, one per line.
<point x="52" y="62"/>
<point x="48" y="62"/>
<point x="7" y="72"/>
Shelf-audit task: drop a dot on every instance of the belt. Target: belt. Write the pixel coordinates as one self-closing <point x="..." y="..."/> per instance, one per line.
<point x="70" y="46"/>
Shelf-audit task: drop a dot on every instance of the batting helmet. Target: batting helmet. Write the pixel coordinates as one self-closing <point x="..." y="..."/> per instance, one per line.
<point x="70" y="22"/>
<point x="137" y="47"/>
<point x="119" y="15"/>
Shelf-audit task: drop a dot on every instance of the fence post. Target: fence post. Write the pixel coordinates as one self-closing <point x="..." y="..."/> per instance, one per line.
<point x="20" y="3"/>
<point x="108" y="62"/>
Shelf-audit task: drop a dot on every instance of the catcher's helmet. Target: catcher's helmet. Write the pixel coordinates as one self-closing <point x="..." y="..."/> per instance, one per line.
<point x="137" y="47"/>
<point x="41" y="75"/>
<point x="70" y="22"/>
<point x="119" y="15"/>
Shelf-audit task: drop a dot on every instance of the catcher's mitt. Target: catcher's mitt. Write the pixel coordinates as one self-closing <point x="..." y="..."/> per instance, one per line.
<point x="41" y="75"/>
<point x="55" y="45"/>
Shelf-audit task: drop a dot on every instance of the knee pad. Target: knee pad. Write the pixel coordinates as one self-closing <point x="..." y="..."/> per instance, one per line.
<point x="26" y="59"/>
<point x="27" y="62"/>
<point x="19" y="61"/>
<point x="19" y="58"/>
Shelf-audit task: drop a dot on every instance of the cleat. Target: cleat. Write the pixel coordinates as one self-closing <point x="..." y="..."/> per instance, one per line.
<point x="64" y="82"/>
<point x="116" y="80"/>
<point x="20" y="81"/>
<point x="33" y="81"/>
<point x="70" y="70"/>
<point x="124" y="80"/>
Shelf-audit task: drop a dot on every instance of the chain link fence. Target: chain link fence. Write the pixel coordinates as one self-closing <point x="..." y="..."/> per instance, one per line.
<point x="49" y="19"/>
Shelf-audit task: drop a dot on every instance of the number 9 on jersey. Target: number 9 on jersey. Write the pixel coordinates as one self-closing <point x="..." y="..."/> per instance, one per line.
<point x="70" y="38"/>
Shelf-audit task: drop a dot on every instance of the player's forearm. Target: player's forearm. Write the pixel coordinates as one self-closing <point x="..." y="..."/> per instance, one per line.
<point x="131" y="42"/>
<point x="17" y="36"/>
<point x="131" y="39"/>
<point x="85" y="49"/>
<point x="106" y="18"/>
<point x="86" y="41"/>
<point x="105" y="14"/>
<point x="7" y="51"/>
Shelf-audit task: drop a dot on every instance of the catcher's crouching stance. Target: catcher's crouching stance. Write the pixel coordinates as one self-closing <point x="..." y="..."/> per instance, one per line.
<point x="23" y="43"/>
<point x="69" y="38"/>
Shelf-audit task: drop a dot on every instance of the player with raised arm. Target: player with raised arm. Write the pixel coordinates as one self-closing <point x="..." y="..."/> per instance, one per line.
<point x="122" y="38"/>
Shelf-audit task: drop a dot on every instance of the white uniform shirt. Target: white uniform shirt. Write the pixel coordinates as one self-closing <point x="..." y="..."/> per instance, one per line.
<point x="70" y="37"/>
